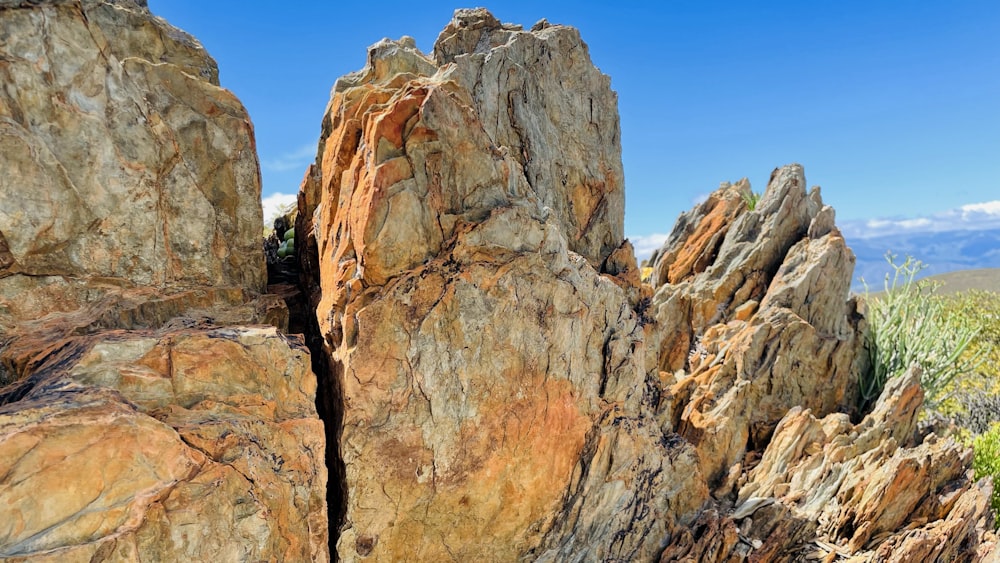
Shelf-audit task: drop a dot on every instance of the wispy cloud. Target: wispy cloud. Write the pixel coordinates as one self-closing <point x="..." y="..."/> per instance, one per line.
<point x="645" y="245"/>
<point x="290" y="160"/>
<point x="273" y="203"/>
<point x="971" y="217"/>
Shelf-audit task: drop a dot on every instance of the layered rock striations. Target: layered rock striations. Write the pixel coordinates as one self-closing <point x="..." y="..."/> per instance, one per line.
<point x="494" y="401"/>
<point x="180" y="444"/>
<point x="511" y="391"/>
<point x="148" y="410"/>
<point x="751" y="309"/>
<point x="125" y="164"/>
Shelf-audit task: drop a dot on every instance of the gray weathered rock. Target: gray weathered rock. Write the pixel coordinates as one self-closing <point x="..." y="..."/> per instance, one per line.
<point x="125" y="163"/>
<point x="495" y="406"/>
<point x="752" y="309"/>
<point x="541" y="100"/>
<point x="135" y="425"/>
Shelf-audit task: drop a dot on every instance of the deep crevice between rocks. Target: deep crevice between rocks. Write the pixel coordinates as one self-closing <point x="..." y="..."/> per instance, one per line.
<point x="296" y="279"/>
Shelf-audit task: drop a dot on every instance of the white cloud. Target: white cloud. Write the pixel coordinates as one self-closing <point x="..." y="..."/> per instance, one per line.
<point x="970" y="217"/>
<point x="273" y="203"/>
<point x="298" y="158"/>
<point x="986" y="208"/>
<point x="645" y="245"/>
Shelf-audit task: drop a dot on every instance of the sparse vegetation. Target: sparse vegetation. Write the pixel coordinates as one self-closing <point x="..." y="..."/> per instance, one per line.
<point x="956" y="340"/>
<point x="909" y="325"/>
<point x="986" y="462"/>
<point x="751" y="198"/>
<point x="974" y="401"/>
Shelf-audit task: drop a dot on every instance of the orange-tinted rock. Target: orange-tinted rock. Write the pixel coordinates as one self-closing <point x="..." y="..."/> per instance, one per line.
<point x="139" y="421"/>
<point x="753" y="310"/>
<point x="875" y="491"/>
<point x="177" y="445"/>
<point x="495" y="406"/>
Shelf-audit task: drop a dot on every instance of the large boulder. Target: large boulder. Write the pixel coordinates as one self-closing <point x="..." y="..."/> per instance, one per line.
<point x="147" y="411"/>
<point x="125" y="164"/>
<point x="494" y="400"/>
<point x="182" y="444"/>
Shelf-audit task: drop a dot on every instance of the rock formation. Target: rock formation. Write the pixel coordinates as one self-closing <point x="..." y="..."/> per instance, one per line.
<point x="145" y="412"/>
<point x="180" y="444"/>
<point x="495" y="380"/>
<point x="491" y="376"/>
<point x="751" y="308"/>
<point x="125" y="164"/>
<point x="510" y="391"/>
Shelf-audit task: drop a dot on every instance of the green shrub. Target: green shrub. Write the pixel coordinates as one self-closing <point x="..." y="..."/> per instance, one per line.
<point x="986" y="461"/>
<point x="980" y="308"/>
<point x="974" y="401"/>
<point x="908" y="325"/>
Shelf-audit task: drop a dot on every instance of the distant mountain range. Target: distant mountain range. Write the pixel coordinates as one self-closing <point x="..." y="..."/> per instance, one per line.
<point x="942" y="252"/>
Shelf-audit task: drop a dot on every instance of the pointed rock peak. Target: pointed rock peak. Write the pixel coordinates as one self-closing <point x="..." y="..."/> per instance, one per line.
<point x="474" y="18"/>
<point x="471" y="30"/>
<point x="387" y="59"/>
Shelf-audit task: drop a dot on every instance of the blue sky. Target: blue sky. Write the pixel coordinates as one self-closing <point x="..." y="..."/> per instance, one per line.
<point x="892" y="107"/>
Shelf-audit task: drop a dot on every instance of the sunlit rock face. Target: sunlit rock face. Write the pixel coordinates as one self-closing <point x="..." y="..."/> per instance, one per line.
<point x="498" y="384"/>
<point x="759" y="350"/>
<point x="147" y="413"/>
<point x="495" y="407"/>
<point x="752" y="309"/>
<point x="172" y="445"/>
<point x="511" y="391"/>
<point x="125" y="163"/>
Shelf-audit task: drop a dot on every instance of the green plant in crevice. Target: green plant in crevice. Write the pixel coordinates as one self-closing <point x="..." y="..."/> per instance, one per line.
<point x="907" y="326"/>
<point x="287" y="246"/>
<point x="751" y="198"/>
<point x="986" y="462"/>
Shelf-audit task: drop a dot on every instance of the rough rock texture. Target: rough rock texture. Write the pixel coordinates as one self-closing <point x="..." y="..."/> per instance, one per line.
<point x="140" y="417"/>
<point x="873" y="485"/>
<point x="759" y="351"/>
<point x="499" y="383"/>
<point x="179" y="445"/>
<point x="494" y="400"/>
<point x="125" y="163"/>
<point x="751" y="309"/>
<point x="510" y="391"/>
<point x="572" y="157"/>
<point x="826" y="489"/>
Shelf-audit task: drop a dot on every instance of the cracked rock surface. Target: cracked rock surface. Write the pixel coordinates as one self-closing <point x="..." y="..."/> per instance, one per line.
<point x="465" y="210"/>
<point x="169" y="445"/>
<point x="497" y="383"/>
<point x="147" y="410"/>
<point x="125" y="164"/>
<point x="511" y="391"/>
